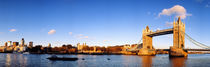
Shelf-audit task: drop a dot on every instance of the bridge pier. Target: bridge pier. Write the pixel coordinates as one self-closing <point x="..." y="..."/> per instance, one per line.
<point x="147" y="52"/>
<point x="177" y="52"/>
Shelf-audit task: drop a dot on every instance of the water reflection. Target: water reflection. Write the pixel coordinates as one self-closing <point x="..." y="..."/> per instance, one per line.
<point x="146" y="61"/>
<point x="81" y="63"/>
<point x="8" y="60"/>
<point x="178" y="61"/>
<point x="127" y="59"/>
<point x="15" y="60"/>
<point x="36" y="60"/>
<point x="23" y="60"/>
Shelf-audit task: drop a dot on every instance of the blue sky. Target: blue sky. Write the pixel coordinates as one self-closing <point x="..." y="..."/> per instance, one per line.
<point x="99" y="22"/>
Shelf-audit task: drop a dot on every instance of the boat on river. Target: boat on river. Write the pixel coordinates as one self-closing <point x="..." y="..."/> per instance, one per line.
<point x="54" y="58"/>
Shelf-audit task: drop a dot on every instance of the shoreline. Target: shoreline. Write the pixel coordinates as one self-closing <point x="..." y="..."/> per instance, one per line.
<point x="97" y="53"/>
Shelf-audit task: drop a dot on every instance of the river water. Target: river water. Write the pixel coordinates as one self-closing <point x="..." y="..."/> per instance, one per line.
<point x="162" y="60"/>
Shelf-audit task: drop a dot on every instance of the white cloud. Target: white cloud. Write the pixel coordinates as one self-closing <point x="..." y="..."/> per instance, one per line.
<point x="81" y="36"/>
<point x="70" y="33"/>
<point x="176" y="10"/>
<point x="52" y="31"/>
<point x="157" y="29"/>
<point x="12" y="30"/>
<point x="78" y="36"/>
<point x="169" y="24"/>
<point x="86" y="37"/>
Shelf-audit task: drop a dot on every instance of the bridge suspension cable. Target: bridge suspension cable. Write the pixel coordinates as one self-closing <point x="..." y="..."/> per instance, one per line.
<point x="140" y="41"/>
<point x="196" y="42"/>
<point x="137" y="47"/>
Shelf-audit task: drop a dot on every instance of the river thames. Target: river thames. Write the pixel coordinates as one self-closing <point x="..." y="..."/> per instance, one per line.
<point x="162" y="60"/>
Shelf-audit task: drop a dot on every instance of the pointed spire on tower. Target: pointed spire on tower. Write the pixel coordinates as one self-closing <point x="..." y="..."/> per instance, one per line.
<point x="179" y="19"/>
<point x="147" y="28"/>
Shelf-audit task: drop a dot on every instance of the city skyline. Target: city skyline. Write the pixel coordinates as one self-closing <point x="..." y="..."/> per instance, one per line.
<point x="100" y="23"/>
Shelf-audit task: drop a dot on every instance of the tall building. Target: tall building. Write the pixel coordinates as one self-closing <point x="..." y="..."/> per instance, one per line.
<point x="22" y="42"/>
<point x="30" y="44"/>
<point x="5" y="44"/>
<point x="15" y="44"/>
<point x="94" y="48"/>
<point x="78" y="46"/>
<point x="49" y="45"/>
<point x="9" y="43"/>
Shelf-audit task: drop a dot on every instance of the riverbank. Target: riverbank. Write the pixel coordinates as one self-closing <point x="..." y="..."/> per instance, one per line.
<point x="113" y="53"/>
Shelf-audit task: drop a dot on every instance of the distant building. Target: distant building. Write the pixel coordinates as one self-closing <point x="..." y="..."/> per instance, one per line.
<point x="5" y="44"/>
<point x="30" y="44"/>
<point x="80" y="47"/>
<point x="126" y="46"/>
<point x="22" y="42"/>
<point x="133" y="45"/>
<point x="49" y="45"/>
<point x="9" y="43"/>
<point x="15" y="44"/>
<point x="21" y="48"/>
<point x="94" y="48"/>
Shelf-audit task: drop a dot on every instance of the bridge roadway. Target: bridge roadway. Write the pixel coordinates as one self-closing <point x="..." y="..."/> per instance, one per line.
<point x="186" y="49"/>
<point x="161" y="32"/>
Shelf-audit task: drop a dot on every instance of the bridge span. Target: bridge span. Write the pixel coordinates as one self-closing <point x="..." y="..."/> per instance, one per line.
<point x="160" y="32"/>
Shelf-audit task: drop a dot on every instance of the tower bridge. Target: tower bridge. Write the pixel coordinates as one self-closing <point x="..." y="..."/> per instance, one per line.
<point x="178" y="31"/>
<point x="145" y="47"/>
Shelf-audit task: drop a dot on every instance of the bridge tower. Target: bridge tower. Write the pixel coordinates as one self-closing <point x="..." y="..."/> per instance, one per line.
<point x="147" y="47"/>
<point x="178" y="39"/>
